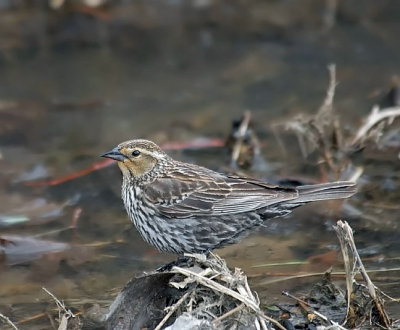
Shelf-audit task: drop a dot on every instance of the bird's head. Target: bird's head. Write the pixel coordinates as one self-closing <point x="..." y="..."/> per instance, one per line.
<point x="137" y="158"/>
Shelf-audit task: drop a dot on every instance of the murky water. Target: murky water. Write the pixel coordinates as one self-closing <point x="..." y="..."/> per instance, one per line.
<point x="60" y="110"/>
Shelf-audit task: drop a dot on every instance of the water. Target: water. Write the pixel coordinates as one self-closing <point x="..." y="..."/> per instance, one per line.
<point x="61" y="109"/>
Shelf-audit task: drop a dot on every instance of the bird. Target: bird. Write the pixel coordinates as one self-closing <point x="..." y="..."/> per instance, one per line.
<point x="180" y="208"/>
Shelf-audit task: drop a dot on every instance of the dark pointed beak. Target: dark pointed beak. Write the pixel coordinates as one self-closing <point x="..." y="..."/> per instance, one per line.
<point x="114" y="154"/>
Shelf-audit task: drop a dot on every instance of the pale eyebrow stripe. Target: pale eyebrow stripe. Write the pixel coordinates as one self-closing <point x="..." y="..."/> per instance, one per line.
<point x="154" y="153"/>
<point x="157" y="154"/>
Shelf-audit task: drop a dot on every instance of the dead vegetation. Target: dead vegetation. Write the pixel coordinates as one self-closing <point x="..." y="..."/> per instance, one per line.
<point x="219" y="288"/>
<point x="365" y="304"/>
<point x="66" y="319"/>
<point x="324" y="133"/>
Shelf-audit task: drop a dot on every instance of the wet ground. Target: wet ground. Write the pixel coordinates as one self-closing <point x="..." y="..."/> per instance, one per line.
<point x="63" y="105"/>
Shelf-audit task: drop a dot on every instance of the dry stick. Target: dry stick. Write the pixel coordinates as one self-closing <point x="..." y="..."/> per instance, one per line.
<point x="371" y="286"/>
<point x="218" y="287"/>
<point x="246" y="292"/>
<point x="343" y="229"/>
<point x="330" y="93"/>
<point x="63" y="322"/>
<point x="187" y="280"/>
<point x="349" y="271"/>
<point x="60" y="304"/>
<point x="374" y="118"/>
<point x="263" y="325"/>
<point x="172" y="310"/>
<point x="338" y="133"/>
<point x="302" y="127"/>
<point x="326" y="152"/>
<point x="262" y="322"/>
<point x="349" y="266"/>
<point x="232" y="311"/>
<point x="299" y="276"/>
<point x="356" y="174"/>
<point x="326" y="107"/>
<point x="242" y="132"/>
<point x="251" y="295"/>
<point x="224" y="275"/>
<point x="381" y="292"/>
<point x="40" y="315"/>
<point x="5" y="318"/>
<point x="61" y="307"/>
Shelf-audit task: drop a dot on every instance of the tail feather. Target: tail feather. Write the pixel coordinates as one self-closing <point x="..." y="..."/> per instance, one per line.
<point x="325" y="191"/>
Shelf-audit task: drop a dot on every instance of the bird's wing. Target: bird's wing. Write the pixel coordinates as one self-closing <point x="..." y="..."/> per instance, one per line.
<point x="250" y="194"/>
<point x="199" y="191"/>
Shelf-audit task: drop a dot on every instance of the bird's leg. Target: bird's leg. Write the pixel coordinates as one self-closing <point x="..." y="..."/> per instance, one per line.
<point x="208" y="252"/>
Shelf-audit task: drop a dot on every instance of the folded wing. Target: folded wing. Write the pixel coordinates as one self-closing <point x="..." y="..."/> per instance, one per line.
<point x="184" y="193"/>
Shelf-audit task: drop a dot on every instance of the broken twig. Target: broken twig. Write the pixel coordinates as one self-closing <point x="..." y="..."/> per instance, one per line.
<point x="376" y="116"/>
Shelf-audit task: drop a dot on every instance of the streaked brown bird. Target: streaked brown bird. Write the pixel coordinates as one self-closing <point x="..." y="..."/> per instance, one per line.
<point x="184" y="208"/>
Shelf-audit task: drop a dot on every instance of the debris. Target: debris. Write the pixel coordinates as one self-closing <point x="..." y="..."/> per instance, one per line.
<point x="323" y="133"/>
<point x="64" y="314"/>
<point x="243" y="143"/>
<point x="377" y="116"/>
<point x="319" y="132"/>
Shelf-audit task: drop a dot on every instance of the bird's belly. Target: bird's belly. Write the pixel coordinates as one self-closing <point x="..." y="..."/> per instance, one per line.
<point x="190" y="235"/>
<point x="167" y="235"/>
<point x="195" y="234"/>
<point x="151" y="227"/>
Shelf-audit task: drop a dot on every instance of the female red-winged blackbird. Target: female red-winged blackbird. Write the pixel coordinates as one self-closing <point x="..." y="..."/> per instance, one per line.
<point x="179" y="207"/>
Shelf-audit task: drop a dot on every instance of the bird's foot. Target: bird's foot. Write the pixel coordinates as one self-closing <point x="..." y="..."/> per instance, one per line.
<point x="186" y="261"/>
<point x="201" y="257"/>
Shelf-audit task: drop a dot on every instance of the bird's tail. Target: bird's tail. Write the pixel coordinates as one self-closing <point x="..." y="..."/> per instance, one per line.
<point x="325" y="191"/>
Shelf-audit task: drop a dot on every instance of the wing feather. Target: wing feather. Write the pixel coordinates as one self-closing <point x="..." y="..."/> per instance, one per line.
<point x="186" y="192"/>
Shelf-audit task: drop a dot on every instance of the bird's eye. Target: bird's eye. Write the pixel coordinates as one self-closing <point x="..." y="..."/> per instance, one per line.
<point x="135" y="153"/>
